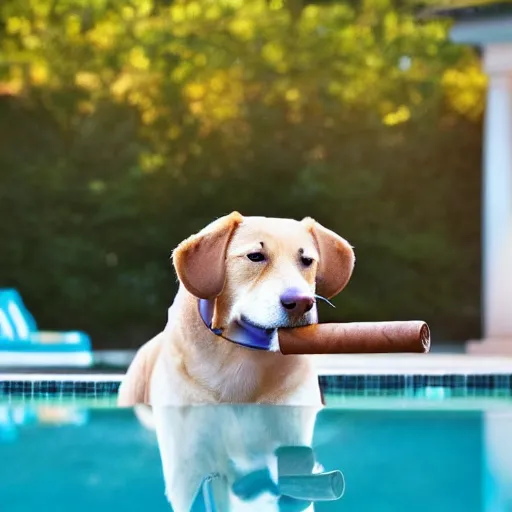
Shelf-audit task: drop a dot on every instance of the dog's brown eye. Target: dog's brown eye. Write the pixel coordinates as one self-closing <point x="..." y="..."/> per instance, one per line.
<point x="256" y="256"/>
<point x="306" y="261"/>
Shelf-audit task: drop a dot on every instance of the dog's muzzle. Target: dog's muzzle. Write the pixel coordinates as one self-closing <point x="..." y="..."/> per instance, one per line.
<point x="242" y="333"/>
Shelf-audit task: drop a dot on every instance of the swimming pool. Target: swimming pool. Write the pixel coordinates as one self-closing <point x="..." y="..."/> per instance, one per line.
<point x="401" y="443"/>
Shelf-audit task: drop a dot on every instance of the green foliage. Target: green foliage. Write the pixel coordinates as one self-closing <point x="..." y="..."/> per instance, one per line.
<point x="126" y="126"/>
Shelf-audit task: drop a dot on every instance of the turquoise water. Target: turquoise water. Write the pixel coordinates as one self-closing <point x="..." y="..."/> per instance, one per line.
<point x="69" y="457"/>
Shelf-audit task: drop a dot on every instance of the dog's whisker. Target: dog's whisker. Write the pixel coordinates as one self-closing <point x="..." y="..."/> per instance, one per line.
<point x="325" y="300"/>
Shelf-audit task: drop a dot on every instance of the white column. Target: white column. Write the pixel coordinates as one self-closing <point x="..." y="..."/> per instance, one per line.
<point x="497" y="206"/>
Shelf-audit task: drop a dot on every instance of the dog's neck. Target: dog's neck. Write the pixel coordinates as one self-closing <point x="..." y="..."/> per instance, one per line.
<point x="232" y="373"/>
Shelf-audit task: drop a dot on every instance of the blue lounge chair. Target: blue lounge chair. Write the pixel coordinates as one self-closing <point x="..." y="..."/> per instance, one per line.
<point x="22" y="344"/>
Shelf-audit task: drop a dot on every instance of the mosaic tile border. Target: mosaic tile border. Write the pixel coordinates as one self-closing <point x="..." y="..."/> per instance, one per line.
<point x="425" y="386"/>
<point x="58" y="389"/>
<point x="335" y="383"/>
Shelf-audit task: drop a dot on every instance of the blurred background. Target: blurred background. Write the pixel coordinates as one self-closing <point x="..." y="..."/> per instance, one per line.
<point x="127" y="126"/>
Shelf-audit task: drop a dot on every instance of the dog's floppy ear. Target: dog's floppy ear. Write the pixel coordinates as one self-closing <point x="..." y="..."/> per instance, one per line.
<point x="200" y="259"/>
<point x="336" y="262"/>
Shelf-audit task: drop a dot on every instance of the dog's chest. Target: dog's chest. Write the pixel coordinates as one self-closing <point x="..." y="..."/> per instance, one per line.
<point x="238" y="381"/>
<point x="202" y="381"/>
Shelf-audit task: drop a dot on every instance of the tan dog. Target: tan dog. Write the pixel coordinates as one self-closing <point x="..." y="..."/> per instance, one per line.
<point x="256" y="271"/>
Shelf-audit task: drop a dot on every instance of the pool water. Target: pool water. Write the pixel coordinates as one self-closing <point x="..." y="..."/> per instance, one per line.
<point x="77" y="455"/>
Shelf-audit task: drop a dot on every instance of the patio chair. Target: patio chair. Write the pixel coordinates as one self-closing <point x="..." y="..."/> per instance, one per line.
<point x="22" y="344"/>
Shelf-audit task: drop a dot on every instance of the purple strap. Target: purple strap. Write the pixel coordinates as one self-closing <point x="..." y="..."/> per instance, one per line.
<point x="240" y="333"/>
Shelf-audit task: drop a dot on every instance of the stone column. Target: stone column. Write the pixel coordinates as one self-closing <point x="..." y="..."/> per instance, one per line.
<point x="497" y="206"/>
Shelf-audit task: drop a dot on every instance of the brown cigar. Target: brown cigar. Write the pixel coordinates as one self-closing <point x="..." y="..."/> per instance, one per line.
<point x="356" y="338"/>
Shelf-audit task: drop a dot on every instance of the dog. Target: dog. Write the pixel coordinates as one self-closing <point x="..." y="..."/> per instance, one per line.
<point x="240" y="277"/>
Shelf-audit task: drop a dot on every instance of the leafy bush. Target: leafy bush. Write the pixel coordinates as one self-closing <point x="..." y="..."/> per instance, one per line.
<point x="124" y="127"/>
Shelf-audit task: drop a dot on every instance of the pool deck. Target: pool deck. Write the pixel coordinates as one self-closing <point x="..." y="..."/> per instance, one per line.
<point x="413" y="364"/>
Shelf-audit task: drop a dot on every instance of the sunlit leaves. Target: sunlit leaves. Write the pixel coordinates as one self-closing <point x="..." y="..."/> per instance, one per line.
<point x="73" y="26"/>
<point x="87" y="80"/>
<point x="104" y="34"/>
<point x="400" y="115"/>
<point x="465" y="90"/>
<point x="138" y="59"/>
<point x="150" y="162"/>
<point x="18" y="25"/>
<point x="273" y="53"/>
<point x="221" y="56"/>
<point x="242" y="28"/>
<point x="143" y="7"/>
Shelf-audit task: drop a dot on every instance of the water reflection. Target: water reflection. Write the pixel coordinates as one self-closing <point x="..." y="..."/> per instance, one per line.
<point x="79" y="458"/>
<point x="234" y="457"/>
<point x="13" y="418"/>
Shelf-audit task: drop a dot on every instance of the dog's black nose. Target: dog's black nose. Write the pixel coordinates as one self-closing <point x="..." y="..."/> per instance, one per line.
<point x="297" y="302"/>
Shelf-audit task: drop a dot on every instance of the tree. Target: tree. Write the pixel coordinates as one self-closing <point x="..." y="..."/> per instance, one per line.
<point x="127" y="126"/>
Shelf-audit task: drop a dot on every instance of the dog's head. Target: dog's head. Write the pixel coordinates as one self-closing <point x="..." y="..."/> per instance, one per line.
<point x="262" y="271"/>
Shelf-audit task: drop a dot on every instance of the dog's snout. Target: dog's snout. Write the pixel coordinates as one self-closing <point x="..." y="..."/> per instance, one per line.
<point x="297" y="302"/>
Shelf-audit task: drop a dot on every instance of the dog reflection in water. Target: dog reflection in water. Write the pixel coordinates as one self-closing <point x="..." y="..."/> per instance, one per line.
<point x="240" y="458"/>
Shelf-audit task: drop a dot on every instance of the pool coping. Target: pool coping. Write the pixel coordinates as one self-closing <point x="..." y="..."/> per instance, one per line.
<point x="63" y="377"/>
<point x="412" y="364"/>
<point x="326" y="365"/>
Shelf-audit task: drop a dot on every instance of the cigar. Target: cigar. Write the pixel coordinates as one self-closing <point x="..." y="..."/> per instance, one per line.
<point x="356" y="338"/>
<point x="316" y="487"/>
<point x="296" y="479"/>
